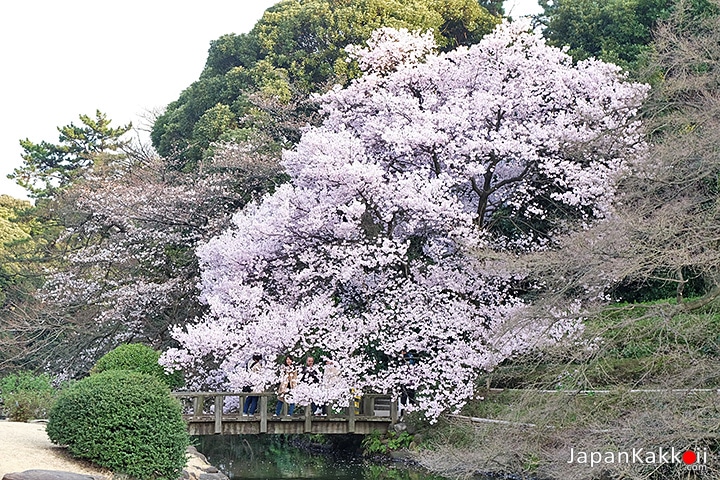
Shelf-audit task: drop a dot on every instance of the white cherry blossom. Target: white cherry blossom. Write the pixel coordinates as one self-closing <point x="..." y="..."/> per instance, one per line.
<point x="376" y="246"/>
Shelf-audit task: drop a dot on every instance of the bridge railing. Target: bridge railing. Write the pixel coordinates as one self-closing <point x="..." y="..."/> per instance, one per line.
<point x="224" y="407"/>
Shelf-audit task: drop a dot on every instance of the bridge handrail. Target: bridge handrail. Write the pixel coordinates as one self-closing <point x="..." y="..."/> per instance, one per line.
<point x="266" y="393"/>
<point x="199" y="398"/>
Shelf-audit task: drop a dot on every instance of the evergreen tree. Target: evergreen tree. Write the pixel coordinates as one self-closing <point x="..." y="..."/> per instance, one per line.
<point x="48" y="168"/>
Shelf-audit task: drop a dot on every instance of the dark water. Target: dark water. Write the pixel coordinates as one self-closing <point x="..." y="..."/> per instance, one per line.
<point x="275" y="457"/>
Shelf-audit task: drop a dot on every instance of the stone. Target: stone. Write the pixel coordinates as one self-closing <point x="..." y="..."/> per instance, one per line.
<point x="198" y="468"/>
<point x="399" y="427"/>
<point x="212" y="476"/>
<point x="401" y="455"/>
<point x="194" y="452"/>
<point x="49" y="475"/>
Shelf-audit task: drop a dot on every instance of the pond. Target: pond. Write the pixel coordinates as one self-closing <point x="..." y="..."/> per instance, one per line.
<point x="287" y="457"/>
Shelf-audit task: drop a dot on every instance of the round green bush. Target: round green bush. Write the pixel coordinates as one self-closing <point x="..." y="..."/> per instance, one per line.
<point x="122" y="420"/>
<point x="137" y="358"/>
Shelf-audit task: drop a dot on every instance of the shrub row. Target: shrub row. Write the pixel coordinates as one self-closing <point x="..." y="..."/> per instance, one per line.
<point x="26" y="396"/>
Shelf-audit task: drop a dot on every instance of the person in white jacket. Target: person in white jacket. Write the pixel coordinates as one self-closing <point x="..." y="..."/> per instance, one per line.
<point x="331" y="381"/>
<point x="254" y="366"/>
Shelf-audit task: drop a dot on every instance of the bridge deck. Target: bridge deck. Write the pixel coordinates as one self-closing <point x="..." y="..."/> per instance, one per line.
<point x="206" y="413"/>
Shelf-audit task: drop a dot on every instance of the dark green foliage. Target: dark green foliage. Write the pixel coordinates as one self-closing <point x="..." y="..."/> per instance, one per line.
<point x="614" y="30"/>
<point x="618" y="31"/>
<point x="11" y="227"/>
<point x="382" y="444"/>
<point x="137" y="357"/>
<point x="124" y="421"/>
<point x="27" y="405"/>
<point x="26" y="381"/>
<point x="261" y="80"/>
<point x="16" y="227"/>
<point x="495" y="7"/>
<point x="26" y="396"/>
<point x="651" y="290"/>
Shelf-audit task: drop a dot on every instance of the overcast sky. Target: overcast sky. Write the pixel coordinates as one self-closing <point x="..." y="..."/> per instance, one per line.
<point x="61" y="58"/>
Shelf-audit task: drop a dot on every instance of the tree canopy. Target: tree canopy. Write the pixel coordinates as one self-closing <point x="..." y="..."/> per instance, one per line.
<point x="618" y="31"/>
<point x="660" y="242"/>
<point x="16" y="227"/>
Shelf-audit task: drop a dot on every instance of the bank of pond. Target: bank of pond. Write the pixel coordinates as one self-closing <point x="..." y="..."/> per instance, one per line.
<point x="270" y="457"/>
<point x="318" y="457"/>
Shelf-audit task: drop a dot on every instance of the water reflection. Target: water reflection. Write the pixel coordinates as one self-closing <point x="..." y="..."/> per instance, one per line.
<point x="272" y="457"/>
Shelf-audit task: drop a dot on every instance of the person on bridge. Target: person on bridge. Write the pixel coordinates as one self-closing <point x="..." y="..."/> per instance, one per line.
<point x="407" y="392"/>
<point x="331" y="380"/>
<point x="254" y="366"/>
<point x="288" y="381"/>
<point x="311" y="376"/>
<point x="310" y="372"/>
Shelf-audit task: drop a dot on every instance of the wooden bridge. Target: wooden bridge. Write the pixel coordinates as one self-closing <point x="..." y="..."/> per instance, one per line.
<point x="206" y="414"/>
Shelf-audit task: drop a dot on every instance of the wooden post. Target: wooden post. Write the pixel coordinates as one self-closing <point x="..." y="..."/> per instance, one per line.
<point x="351" y="415"/>
<point x="263" y="414"/>
<point x="308" y="419"/>
<point x="368" y="406"/>
<point x="393" y="411"/>
<point x="198" y="404"/>
<point x="218" y="413"/>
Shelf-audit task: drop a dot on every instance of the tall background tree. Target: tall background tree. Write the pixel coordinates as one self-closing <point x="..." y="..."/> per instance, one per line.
<point x="618" y="31"/>
<point x="615" y="30"/>
<point x="659" y="244"/>
<point x="262" y="79"/>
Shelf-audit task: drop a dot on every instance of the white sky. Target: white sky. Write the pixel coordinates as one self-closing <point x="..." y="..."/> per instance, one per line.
<point x="63" y="58"/>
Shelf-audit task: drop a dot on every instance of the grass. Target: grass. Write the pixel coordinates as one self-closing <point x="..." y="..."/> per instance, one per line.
<point x="646" y="346"/>
<point x="635" y="346"/>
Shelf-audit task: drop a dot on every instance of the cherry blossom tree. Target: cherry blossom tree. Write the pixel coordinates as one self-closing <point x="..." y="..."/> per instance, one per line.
<point x="121" y="266"/>
<point x="386" y="240"/>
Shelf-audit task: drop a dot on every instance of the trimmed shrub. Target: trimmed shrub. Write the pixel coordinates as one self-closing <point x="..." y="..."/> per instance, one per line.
<point x="26" y="396"/>
<point x="122" y="420"/>
<point x="137" y="357"/>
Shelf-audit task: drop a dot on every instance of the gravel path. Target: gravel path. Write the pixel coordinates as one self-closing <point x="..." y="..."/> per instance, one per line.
<point x="25" y="446"/>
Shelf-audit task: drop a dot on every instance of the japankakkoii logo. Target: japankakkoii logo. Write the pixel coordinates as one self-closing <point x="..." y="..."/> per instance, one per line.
<point x="695" y="459"/>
